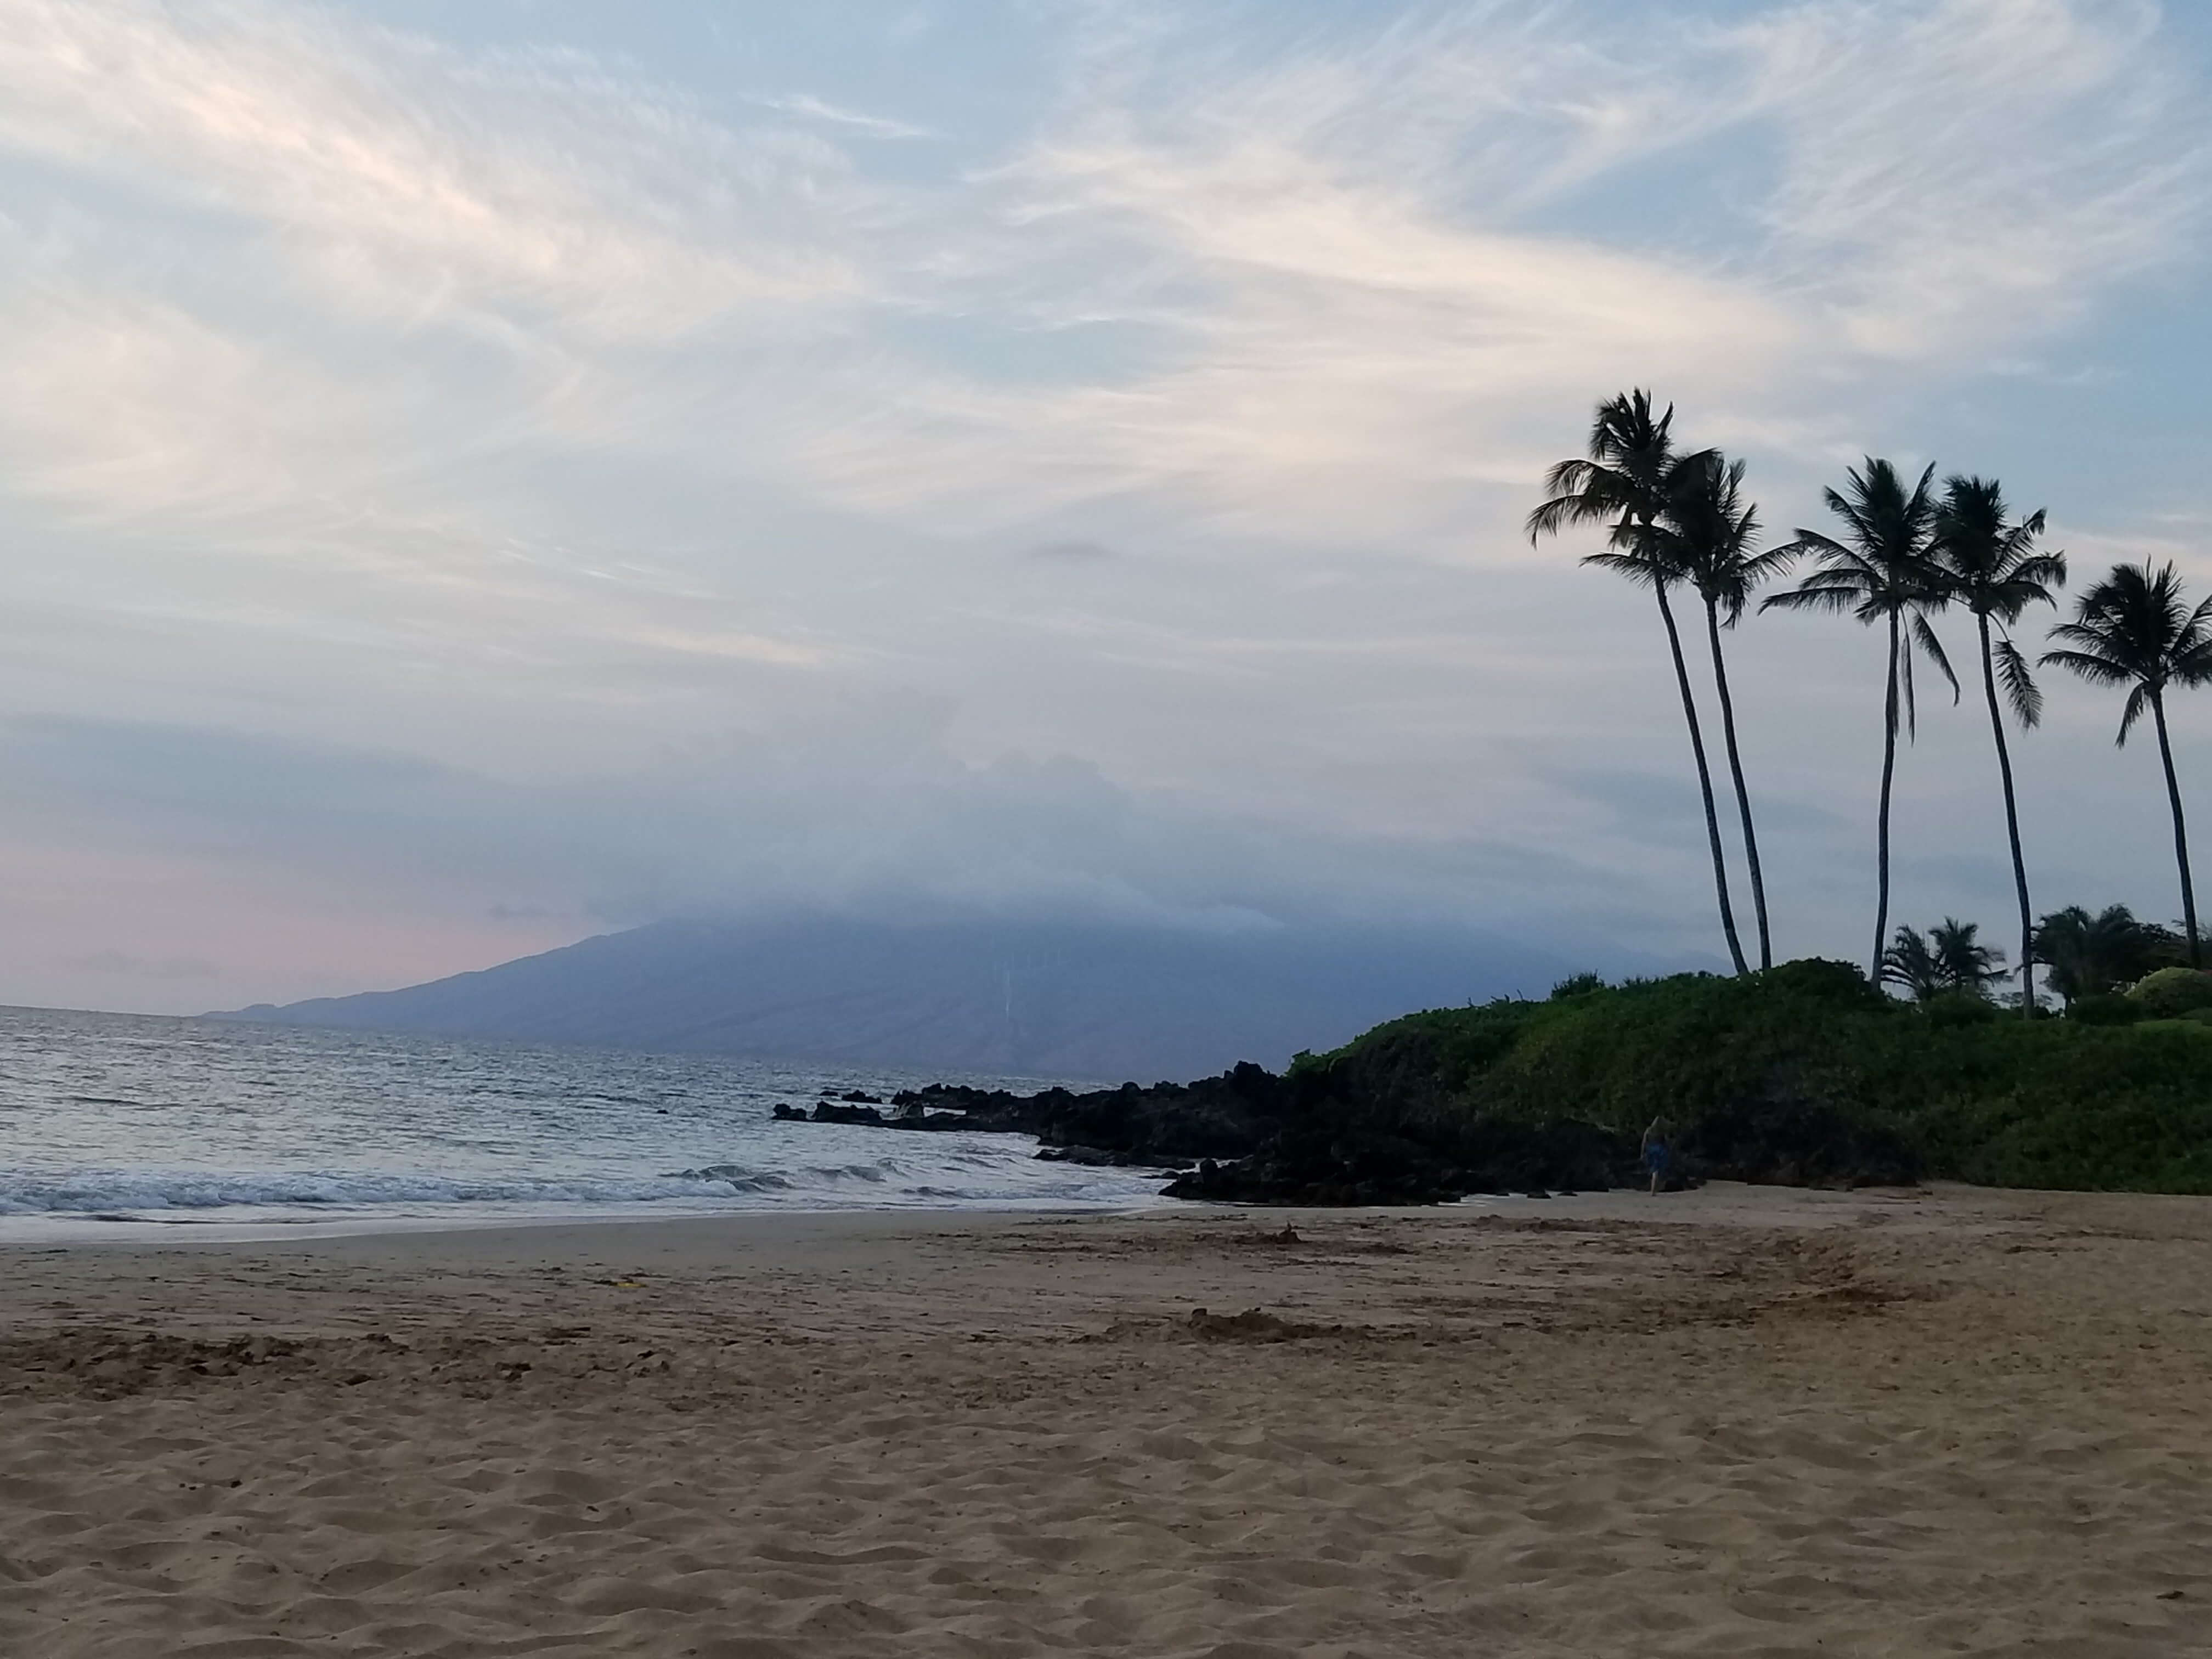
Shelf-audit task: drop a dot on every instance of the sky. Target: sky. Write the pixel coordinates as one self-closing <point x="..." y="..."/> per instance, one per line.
<point x="471" y="478"/>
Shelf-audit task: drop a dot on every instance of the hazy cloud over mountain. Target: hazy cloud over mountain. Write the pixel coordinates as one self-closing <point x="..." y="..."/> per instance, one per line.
<point x="470" y="476"/>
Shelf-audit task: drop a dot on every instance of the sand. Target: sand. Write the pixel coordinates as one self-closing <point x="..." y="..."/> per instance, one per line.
<point x="1734" y="1422"/>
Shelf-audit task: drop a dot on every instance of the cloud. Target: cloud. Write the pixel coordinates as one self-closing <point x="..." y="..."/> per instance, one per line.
<point x="412" y="183"/>
<point x="1963" y="173"/>
<point x="817" y="109"/>
<point x="123" y="406"/>
<point x="122" y="965"/>
<point x="864" y="811"/>
<point x="1071" y="552"/>
<point x="1360" y="267"/>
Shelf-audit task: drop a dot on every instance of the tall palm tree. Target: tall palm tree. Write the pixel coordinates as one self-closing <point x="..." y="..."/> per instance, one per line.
<point x="1623" y="484"/>
<point x="2135" y="629"/>
<point x="1879" y="572"/>
<point x="1996" y="571"/>
<point x="1711" y="534"/>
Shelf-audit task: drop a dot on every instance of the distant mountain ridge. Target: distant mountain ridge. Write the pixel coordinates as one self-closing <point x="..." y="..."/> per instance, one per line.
<point x="1036" y="998"/>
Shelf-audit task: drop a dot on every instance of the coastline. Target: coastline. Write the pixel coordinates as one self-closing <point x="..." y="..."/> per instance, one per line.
<point x="1739" y="1421"/>
<point x="1715" y="1201"/>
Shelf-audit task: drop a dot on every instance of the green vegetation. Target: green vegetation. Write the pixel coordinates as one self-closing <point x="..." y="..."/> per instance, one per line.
<point x="1806" y="1071"/>
<point x="2173" y="992"/>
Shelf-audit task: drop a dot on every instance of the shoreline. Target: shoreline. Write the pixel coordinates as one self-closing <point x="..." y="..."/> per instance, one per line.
<point x="147" y="1233"/>
<point x="1714" y="1200"/>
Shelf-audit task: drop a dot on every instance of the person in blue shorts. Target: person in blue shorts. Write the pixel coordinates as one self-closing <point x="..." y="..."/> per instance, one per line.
<point x="1654" y="1153"/>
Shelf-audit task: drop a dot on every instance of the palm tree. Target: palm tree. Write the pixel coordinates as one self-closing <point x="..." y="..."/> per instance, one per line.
<point x="1965" y="963"/>
<point x="1879" y="572"/>
<point x="1995" y="570"/>
<point x="1711" y="535"/>
<point x="2089" y="955"/>
<point x="1948" y="959"/>
<point x="1623" y="484"/>
<point x="1911" y="963"/>
<point x="2134" y="628"/>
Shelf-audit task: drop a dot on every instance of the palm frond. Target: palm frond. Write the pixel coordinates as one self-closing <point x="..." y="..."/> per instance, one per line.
<point x="1835" y="599"/>
<point x="2020" y="689"/>
<point x="2138" y="700"/>
<point x="1643" y="572"/>
<point x="2091" y="665"/>
<point x="1934" y="646"/>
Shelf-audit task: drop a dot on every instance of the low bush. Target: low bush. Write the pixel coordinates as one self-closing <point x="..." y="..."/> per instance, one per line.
<point x="1959" y="1008"/>
<point x="2172" y="992"/>
<point x="2104" y="1008"/>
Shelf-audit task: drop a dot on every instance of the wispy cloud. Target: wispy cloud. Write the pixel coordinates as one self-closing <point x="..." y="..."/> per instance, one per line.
<point x="818" y="109"/>
<point x="411" y="182"/>
<point x="1359" y="268"/>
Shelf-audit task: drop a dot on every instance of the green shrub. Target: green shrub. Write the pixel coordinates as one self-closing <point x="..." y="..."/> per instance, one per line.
<point x="1951" y="1008"/>
<point x="1819" y="980"/>
<point x="2104" y="1009"/>
<point x="2172" y="992"/>
<point x="1578" y="985"/>
<point x="2104" y="1098"/>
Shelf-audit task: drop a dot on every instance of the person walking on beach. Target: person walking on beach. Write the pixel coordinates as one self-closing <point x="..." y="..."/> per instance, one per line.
<point x="1654" y="1153"/>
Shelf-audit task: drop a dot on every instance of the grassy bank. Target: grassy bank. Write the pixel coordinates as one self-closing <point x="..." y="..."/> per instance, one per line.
<point x="1806" y="1071"/>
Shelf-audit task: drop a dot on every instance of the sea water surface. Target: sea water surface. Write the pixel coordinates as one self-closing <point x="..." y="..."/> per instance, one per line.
<point x="117" y="1125"/>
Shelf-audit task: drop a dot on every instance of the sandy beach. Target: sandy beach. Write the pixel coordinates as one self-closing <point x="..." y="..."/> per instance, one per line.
<point x="1734" y="1422"/>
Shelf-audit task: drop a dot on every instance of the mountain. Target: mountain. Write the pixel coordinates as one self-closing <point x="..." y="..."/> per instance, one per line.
<point x="1036" y="999"/>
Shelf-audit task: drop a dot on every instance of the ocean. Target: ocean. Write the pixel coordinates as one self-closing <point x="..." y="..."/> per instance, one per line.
<point x="117" y="1125"/>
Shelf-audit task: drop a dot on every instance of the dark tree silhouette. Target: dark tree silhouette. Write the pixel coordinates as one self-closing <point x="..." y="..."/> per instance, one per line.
<point x="1948" y="959"/>
<point x="1879" y="572"/>
<point x="2135" y="629"/>
<point x="1965" y="963"/>
<point x="1711" y="534"/>
<point x="2089" y="955"/>
<point x="1623" y="485"/>
<point x="1911" y="962"/>
<point x="1995" y="569"/>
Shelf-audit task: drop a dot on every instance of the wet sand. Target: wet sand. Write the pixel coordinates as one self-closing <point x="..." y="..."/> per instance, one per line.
<point x="1735" y="1422"/>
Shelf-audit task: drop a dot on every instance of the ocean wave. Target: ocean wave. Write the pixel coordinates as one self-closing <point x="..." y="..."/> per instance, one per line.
<point x="117" y="1194"/>
<point x="104" y="1190"/>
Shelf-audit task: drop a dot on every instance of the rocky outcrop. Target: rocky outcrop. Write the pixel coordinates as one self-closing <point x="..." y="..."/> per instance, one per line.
<point x="1410" y="1115"/>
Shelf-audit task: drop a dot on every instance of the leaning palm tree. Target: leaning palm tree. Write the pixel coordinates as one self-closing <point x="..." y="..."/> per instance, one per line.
<point x="2135" y="629"/>
<point x="1623" y="485"/>
<point x="1996" y="571"/>
<point x="1879" y="572"/>
<point x="1711" y="534"/>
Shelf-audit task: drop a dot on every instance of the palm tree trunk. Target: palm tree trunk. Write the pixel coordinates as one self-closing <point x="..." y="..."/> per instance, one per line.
<point x="1704" y="779"/>
<point x="2012" y="828"/>
<point x="2180" y="835"/>
<point x="1742" y="795"/>
<point x="1881" y="820"/>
